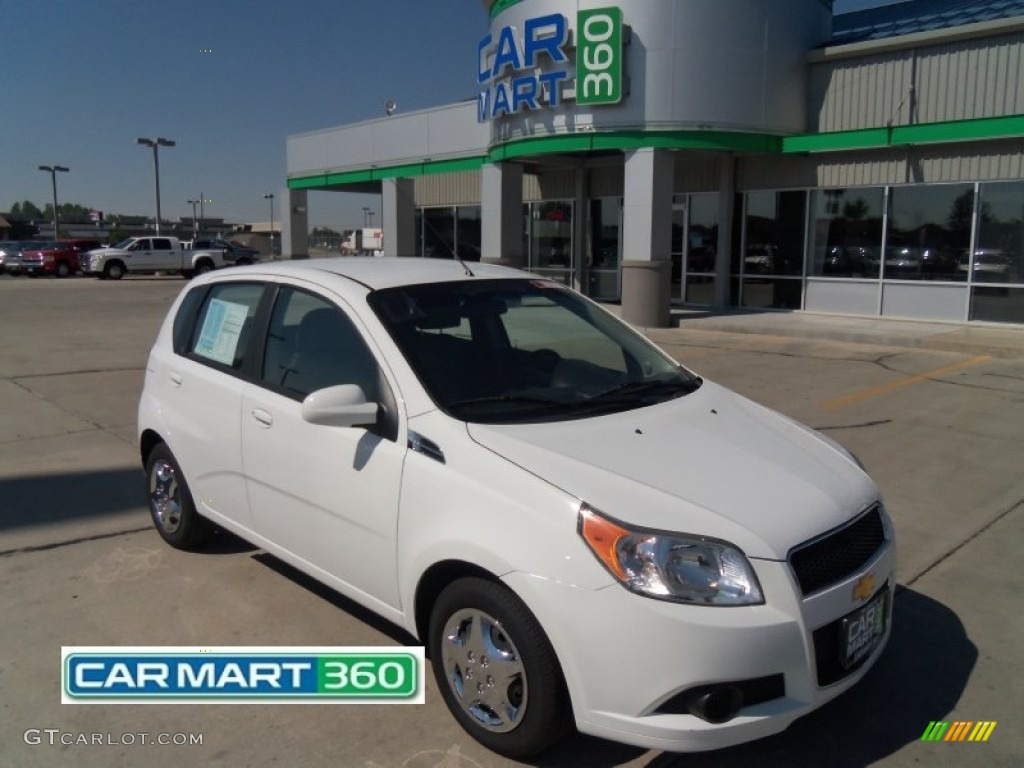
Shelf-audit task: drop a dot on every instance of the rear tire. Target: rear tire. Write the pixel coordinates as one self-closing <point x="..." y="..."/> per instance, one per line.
<point x="170" y="502"/>
<point x="496" y="669"/>
<point x="203" y="267"/>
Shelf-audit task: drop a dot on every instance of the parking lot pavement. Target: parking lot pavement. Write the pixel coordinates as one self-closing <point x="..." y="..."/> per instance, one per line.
<point x="940" y="430"/>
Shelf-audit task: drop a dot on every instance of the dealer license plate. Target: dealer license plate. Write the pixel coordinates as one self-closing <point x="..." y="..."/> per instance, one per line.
<point x="862" y="630"/>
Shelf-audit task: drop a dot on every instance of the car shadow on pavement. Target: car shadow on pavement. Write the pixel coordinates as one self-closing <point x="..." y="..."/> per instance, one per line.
<point x="350" y="607"/>
<point x="919" y="678"/>
<point x="64" y="497"/>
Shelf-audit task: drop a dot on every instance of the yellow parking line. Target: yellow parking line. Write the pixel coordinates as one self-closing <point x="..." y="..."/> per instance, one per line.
<point x="882" y="389"/>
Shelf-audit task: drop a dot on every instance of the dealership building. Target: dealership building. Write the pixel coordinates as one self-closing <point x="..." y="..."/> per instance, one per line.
<point x="747" y="154"/>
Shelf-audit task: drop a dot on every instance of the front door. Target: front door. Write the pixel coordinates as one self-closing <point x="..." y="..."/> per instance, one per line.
<point x="327" y="496"/>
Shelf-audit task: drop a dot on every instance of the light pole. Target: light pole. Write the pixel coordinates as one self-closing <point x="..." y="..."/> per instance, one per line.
<point x="366" y="210"/>
<point x="156" y="144"/>
<point x="370" y="214"/>
<point x="270" y="197"/>
<point x="53" y="170"/>
<point x="195" y="224"/>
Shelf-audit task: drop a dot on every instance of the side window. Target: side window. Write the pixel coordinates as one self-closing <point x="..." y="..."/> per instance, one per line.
<point x="185" y="320"/>
<point x="138" y="245"/>
<point x="223" y="329"/>
<point x="312" y="344"/>
<point x="161" y="244"/>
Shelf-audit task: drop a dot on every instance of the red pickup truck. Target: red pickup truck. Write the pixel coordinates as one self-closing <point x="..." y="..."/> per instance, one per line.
<point x="52" y="258"/>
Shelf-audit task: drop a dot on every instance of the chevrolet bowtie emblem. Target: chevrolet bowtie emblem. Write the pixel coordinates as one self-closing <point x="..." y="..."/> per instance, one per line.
<point x="864" y="588"/>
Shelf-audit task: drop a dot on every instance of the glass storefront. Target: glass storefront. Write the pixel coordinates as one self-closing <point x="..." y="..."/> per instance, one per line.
<point x="929" y="228"/>
<point x="818" y="249"/>
<point x="847" y="232"/>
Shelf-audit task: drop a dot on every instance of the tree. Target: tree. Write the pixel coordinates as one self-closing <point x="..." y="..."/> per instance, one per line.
<point x="26" y="210"/>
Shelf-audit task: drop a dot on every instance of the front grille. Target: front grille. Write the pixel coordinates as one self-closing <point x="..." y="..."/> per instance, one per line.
<point x="840" y="553"/>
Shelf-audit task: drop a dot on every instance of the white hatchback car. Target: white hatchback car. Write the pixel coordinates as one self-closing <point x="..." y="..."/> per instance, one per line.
<point x="581" y="531"/>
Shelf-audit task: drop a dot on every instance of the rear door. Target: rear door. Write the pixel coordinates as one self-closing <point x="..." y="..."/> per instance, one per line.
<point x="200" y="386"/>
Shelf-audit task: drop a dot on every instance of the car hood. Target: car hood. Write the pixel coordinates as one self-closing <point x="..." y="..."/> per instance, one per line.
<point x="711" y="463"/>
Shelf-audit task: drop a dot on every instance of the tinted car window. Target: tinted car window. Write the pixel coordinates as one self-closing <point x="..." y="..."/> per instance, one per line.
<point x="312" y="344"/>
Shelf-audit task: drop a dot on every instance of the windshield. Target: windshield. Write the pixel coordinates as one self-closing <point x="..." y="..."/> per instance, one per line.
<point x="505" y="351"/>
<point x="124" y="244"/>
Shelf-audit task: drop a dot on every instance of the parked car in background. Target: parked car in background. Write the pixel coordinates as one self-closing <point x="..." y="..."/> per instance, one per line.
<point x="49" y="258"/>
<point x="234" y="253"/>
<point x="533" y="489"/>
<point x="147" y="255"/>
<point x="990" y="265"/>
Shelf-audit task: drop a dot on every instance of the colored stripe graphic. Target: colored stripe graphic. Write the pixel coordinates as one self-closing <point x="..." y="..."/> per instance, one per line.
<point x="959" y="730"/>
<point x="982" y="731"/>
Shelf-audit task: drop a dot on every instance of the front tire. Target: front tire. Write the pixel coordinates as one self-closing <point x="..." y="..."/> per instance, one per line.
<point x="496" y="669"/>
<point x="63" y="269"/>
<point x="114" y="270"/>
<point x="170" y="502"/>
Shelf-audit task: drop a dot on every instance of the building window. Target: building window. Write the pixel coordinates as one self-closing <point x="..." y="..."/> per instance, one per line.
<point x="439" y="232"/>
<point x="998" y="260"/>
<point x="929" y="228"/>
<point x="847" y="232"/>
<point x="467" y="232"/>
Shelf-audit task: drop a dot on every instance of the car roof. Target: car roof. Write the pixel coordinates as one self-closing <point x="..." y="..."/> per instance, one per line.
<point x="376" y="273"/>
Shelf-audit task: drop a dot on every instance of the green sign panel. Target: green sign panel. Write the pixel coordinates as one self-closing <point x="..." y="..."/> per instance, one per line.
<point x="599" y="56"/>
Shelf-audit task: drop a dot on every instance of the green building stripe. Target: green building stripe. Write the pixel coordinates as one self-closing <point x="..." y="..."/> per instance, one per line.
<point x="501" y="5"/>
<point x="725" y="141"/>
<point x="408" y="170"/>
<point x="982" y="129"/>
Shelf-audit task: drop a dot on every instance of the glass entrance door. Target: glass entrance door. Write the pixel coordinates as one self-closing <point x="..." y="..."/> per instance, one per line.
<point x="605" y="258"/>
<point x="551" y="243"/>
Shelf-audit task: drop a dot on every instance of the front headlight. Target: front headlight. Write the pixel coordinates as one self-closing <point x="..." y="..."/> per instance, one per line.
<point x="671" y="566"/>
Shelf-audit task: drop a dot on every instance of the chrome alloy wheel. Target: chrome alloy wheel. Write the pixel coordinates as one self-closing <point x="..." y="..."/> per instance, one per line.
<point x="485" y="671"/>
<point x="164" y="496"/>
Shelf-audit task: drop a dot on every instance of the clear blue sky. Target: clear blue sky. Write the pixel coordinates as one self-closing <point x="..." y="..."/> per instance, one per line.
<point x="228" y="80"/>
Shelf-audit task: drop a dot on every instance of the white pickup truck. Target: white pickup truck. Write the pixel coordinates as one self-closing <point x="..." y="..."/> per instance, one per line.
<point x="149" y="254"/>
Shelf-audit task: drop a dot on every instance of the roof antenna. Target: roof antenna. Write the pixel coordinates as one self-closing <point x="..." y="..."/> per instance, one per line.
<point x="464" y="265"/>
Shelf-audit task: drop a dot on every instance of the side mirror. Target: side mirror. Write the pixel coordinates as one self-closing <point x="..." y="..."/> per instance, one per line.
<point x="343" y="405"/>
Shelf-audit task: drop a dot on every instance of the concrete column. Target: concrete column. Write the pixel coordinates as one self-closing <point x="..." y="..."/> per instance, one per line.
<point x="501" y="198"/>
<point x="723" y="257"/>
<point x="647" y="237"/>
<point x="399" y="217"/>
<point x="294" y="224"/>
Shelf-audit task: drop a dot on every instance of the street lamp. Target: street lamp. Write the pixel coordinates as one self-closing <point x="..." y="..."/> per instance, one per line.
<point x="366" y="210"/>
<point x="156" y="144"/>
<point x="195" y="224"/>
<point x="270" y="197"/>
<point x="370" y="214"/>
<point x="53" y="170"/>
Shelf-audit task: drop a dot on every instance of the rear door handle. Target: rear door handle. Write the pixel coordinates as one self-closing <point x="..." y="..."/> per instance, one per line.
<point x="263" y="417"/>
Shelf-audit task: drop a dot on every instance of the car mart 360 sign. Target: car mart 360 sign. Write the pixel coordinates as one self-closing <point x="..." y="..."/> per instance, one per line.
<point x="533" y="69"/>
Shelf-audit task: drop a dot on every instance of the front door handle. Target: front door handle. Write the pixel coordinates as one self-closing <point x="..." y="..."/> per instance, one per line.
<point x="263" y="417"/>
<point x="176" y="379"/>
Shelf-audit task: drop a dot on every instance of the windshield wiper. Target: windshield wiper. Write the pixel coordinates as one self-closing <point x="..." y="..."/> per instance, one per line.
<point x="506" y="398"/>
<point x="637" y="388"/>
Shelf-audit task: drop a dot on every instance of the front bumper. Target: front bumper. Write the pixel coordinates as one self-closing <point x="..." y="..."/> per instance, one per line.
<point x="627" y="659"/>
